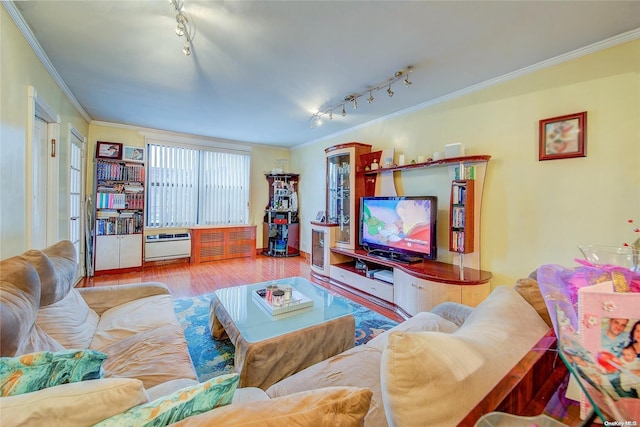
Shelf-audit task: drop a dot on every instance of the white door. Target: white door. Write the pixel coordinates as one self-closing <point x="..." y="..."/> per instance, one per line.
<point x="39" y="185"/>
<point x="42" y="178"/>
<point x="77" y="164"/>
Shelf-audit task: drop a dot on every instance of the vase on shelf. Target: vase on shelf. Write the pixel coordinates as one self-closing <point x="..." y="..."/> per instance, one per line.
<point x="622" y="256"/>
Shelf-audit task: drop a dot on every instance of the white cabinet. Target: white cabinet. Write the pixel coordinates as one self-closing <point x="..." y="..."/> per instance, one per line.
<point x="374" y="287"/>
<point x="415" y="295"/>
<point x="118" y="251"/>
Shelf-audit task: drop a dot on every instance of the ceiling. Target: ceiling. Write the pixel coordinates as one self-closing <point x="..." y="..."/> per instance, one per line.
<point x="260" y="69"/>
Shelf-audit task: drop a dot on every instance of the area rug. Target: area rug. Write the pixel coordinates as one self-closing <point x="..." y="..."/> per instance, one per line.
<point x="215" y="357"/>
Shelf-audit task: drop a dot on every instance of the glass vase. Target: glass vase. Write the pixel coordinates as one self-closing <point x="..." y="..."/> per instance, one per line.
<point x="621" y="256"/>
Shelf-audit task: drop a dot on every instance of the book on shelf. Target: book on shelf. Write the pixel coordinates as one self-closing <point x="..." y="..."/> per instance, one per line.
<point x="457" y="241"/>
<point x="114" y="171"/>
<point x="469" y="173"/>
<point x="459" y="194"/>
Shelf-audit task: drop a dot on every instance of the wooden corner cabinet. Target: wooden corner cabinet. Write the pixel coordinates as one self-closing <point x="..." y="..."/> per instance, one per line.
<point x="281" y="228"/>
<point x="345" y="187"/>
<point x="461" y="216"/>
<point x="119" y="214"/>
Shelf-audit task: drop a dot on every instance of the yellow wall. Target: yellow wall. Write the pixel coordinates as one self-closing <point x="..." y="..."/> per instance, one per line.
<point x="263" y="159"/>
<point x="20" y="68"/>
<point x="533" y="212"/>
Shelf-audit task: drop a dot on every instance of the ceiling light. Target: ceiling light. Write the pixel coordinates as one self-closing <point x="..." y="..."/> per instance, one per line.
<point x="399" y="75"/>
<point x="180" y="29"/>
<point x="184" y="27"/>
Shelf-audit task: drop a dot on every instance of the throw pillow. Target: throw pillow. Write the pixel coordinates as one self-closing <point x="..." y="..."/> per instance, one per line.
<point x="36" y="371"/>
<point x="181" y="404"/>
<point x="72" y="405"/>
<point x="329" y="406"/>
<point x="530" y="291"/>
<point x="437" y="378"/>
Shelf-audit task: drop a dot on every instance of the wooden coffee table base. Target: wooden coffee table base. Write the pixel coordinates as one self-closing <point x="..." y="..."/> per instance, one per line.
<point x="263" y="363"/>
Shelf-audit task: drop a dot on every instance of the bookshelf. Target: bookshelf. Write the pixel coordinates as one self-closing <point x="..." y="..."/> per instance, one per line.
<point x="281" y="228"/>
<point x="461" y="216"/>
<point x="119" y="214"/>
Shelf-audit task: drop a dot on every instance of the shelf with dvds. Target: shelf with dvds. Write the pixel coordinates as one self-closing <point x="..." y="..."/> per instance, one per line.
<point x="461" y="216"/>
<point x="119" y="214"/>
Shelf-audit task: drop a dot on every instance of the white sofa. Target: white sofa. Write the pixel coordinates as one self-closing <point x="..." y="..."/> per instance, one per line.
<point x="429" y="370"/>
<point x="147" y="355"/>
<point x="436" y="367"/>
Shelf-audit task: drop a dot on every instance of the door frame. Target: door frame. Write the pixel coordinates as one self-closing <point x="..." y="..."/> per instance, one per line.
<point x="37" y="106"/>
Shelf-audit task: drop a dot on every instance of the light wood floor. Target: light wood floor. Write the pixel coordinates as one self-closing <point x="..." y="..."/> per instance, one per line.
<point x="185" y="280"/>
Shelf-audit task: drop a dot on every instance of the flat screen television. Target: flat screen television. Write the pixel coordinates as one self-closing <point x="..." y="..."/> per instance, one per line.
<point x="399" y="228"/>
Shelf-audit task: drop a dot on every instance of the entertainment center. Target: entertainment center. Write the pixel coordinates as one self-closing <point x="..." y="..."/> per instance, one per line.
<point x="389" y="254"/>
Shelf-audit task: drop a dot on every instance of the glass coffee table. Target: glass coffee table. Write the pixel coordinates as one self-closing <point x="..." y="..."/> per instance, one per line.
<point x="270" y="347"/>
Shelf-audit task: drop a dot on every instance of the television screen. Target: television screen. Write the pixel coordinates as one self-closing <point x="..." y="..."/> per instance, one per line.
<point x="399" y="227"/>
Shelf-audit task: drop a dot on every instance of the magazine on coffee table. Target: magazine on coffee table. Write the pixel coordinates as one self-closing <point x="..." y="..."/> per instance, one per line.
<point x="281" y="304"/>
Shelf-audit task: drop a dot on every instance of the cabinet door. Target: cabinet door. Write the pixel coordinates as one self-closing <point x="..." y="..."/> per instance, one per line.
<point x="415" y="295"/>
<point x="107" y="252"/>
<point x="405" y="293"/>
<point x="130" y="250"/>
<point x="339" y="198"/>
<point x="317" y="248"/>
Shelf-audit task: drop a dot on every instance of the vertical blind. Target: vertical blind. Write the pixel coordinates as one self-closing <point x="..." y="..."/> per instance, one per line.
<point x="189" y="186"/>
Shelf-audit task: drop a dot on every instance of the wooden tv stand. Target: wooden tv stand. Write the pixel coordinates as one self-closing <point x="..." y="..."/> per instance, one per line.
<point x="416" y="287"/>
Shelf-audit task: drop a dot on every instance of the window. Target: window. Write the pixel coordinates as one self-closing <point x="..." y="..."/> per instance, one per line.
<point x="189" y="186"/>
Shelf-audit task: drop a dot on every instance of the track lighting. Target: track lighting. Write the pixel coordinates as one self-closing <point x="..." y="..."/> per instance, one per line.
<point x="184" y="27"/>
<point x="407" y="83"/>
<point x="399" y="75"/>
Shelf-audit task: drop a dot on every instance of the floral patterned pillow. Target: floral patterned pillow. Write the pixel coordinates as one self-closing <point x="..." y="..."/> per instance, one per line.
<point x="36" y="371"/>
<point x="179" y="405"/>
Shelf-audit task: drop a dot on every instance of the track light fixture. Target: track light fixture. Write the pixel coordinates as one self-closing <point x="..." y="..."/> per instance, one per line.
<point x="184" y="27"/>
<point x="390" y="92"/>
<point x="399" y="75"/>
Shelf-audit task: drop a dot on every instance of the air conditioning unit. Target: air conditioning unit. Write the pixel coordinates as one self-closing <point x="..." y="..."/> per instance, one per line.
<point x="164" y="246"/>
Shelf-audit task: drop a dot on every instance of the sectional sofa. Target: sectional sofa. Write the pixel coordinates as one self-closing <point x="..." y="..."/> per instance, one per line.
<point x="430" y="370"/>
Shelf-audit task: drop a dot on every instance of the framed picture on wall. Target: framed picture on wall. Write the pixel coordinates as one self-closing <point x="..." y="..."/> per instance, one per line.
<point x="108" y="150"/>
<point x="563" y="137"/>
<point x="133" y="154"/>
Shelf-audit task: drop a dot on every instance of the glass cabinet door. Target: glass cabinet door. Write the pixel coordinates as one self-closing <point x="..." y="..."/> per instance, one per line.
<point x="317" y="248"/>
<point x="339" y="195"/>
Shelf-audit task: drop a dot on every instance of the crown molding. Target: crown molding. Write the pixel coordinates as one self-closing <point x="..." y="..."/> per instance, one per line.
<point x="12" y="10"/>
<point x="574" y="54"/>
